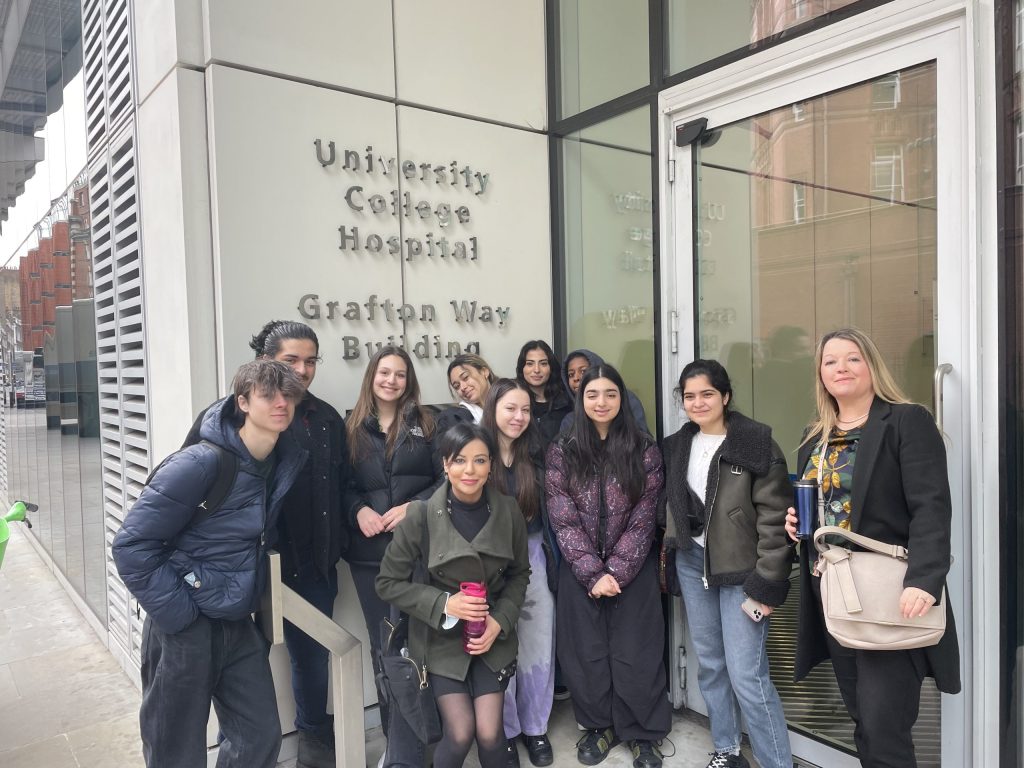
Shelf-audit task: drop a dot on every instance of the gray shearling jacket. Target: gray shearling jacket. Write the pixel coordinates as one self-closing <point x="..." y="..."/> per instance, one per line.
<point x="749" y="491"/>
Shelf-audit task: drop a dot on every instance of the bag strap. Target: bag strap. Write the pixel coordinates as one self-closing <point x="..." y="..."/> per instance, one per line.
<point x="821" y="493"/>
<point x="227" y="471"/>
<point x="217" y="493"/>
<point x="865" y="542"/>
<point x="420" y="575"/>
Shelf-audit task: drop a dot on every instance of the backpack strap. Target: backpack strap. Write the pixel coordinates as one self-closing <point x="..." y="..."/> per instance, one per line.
<point x="216" y="494"/>
<point x="227" y="471"/>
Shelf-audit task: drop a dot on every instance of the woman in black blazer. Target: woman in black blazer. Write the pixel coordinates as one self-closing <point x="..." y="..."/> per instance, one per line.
<point x="884" y="477"/>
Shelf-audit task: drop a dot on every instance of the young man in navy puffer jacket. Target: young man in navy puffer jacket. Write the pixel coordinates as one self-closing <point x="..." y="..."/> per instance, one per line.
<point x="199" y="583"/>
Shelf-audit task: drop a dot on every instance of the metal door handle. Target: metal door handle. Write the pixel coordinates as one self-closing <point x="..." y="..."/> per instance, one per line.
<point x="940" y="372"/>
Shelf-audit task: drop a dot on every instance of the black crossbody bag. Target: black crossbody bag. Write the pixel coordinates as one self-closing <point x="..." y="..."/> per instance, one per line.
<point x="402" y="679"/>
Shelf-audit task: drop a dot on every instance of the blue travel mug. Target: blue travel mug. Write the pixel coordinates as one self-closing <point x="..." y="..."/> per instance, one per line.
<point x="806" y="501"/>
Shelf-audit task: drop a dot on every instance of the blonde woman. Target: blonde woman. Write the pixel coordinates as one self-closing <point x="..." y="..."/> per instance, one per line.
<point x="883" y="468"/>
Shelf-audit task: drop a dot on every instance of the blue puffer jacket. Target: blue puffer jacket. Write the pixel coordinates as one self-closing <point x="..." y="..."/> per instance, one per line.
<point x="156" y="548"/>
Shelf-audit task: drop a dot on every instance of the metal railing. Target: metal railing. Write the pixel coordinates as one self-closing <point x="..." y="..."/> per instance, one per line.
<point x="280" y="602"/>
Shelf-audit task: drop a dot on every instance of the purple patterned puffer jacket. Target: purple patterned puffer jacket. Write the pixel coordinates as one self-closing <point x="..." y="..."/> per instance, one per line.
<point x="574" y="511"/>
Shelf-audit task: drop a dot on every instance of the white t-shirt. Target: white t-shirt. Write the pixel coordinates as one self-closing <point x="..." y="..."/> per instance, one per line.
<point x="701" y="451"/>
<point x="476" y="410"/>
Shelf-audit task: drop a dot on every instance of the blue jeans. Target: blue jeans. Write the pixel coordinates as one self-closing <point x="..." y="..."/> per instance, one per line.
<point x="733" y="664"/>
<point x="310" y="660"/>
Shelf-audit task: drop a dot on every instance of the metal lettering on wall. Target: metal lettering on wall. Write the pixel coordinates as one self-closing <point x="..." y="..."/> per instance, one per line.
<point x="398" y="204"/>
<point x="451" y="179"/>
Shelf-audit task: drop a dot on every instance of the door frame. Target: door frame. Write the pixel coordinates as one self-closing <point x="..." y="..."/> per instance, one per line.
<point x="894" y="36"/>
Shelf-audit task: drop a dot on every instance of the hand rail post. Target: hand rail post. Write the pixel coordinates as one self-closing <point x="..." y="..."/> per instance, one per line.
<point x="281" y="602"/>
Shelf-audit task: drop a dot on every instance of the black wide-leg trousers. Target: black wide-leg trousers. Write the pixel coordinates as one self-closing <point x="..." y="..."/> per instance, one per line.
<point x="611" y="651"/>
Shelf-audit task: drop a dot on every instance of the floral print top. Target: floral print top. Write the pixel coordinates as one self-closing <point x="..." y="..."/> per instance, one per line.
<point x="837" y="476"/>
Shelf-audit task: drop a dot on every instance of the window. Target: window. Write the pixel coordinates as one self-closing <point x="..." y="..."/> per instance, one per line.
<point x="1018" y="38"/>
<point x="887" y="172"/>
<point x="607" y="207"/>
<point x="699" y="31"/>
<point x="1019" y="145"/>
<point x="799" y="202"/>
<point x="885" y="92"/>
<point x="604" y="51"/>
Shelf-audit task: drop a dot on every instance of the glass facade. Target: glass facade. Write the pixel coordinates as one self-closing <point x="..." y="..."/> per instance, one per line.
<point x="1010" y="174"/>
<point x="604" y="86"/>
<point x="831" y="201"/>
<point x="609" y="248"/>
<point x="50" y="415"/>
<point x="698" y="32"/>
<point x="603" y="51"/>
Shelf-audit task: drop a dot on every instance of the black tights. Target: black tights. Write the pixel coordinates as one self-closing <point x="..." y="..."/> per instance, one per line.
<point x="464" y="719"/>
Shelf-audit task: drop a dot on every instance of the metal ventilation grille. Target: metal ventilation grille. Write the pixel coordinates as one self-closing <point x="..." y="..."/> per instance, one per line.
<point x="117" y="276"/>
<point x="4" y="483"/>
<point x="107" y="44"/>
<point x="95" y="73"/>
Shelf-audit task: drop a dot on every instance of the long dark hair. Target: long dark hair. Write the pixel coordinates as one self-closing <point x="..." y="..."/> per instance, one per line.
<point x="527" y="488"/>
<point x="621" y="454"/>
<point x="408" y="411"/>
<point x="553" y="386"/>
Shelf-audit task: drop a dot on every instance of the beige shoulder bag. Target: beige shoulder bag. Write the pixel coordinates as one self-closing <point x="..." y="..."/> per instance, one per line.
<point x="860" y="591"/>
<point x="860" y="595"/>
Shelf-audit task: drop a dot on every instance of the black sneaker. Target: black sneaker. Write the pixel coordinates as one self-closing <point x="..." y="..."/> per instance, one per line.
<point x="315" y="751"/>
<point x="645" y="754"/>
<point x="595" y="745"/>
<point x="539" y="749"/>
<point x="562" y="693"/>
<point x="512" y="760"/>
<point x="727" y="760"/>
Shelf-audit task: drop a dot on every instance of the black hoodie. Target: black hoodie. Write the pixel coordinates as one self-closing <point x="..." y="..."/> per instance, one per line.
<point x="594" y="360"/>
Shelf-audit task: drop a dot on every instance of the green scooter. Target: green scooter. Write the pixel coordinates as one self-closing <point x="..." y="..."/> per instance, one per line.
<point x="16" y="514"/>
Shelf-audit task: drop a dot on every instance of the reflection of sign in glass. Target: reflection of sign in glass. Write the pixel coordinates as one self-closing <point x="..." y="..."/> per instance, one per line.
<point x="630" y="314"/>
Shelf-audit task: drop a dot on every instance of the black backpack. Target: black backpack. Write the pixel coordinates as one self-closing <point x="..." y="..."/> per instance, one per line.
<point x="227" y="471"/>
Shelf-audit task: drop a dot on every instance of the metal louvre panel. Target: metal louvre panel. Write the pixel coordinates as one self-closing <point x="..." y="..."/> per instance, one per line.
<point x="117" y="272"/>
<point x="4" y="483"/>
<point x="95" y="108"/>
<point x="120" y="104"/>
<point x="124" y="407"/>
<point x="108" y="57"/>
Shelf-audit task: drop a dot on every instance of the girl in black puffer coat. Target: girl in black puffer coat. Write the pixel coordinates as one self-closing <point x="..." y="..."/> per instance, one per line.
<point x="393" y="463"/>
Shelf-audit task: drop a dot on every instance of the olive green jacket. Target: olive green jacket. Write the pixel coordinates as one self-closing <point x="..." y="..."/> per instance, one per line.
<point x="497" y="556"/>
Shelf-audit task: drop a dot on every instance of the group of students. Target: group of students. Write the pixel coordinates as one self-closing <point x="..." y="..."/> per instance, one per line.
<point x="548" y="489"/>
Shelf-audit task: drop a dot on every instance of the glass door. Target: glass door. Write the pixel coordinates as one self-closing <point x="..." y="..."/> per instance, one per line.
<point x="808" y="214"/>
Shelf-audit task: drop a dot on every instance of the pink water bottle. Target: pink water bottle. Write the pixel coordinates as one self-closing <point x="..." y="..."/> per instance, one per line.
<point x="472" y="629"/>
